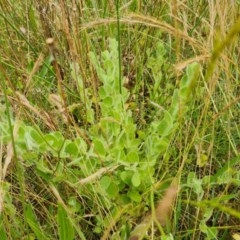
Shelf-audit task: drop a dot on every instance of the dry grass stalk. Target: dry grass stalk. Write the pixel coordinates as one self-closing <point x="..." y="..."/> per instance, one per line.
<point x="5" y="167"/>
<point x="10" y="153"/>
<point x="162" y="212"/>
<point x="67" y="30"/>
<point x="36" y="66"/>
<point x="150" y="22"/>
<point x="57" y="195"/>
<point x="59" y="75"/>
<point x="165" y="205"/>
<point x="180" y="66"/>
<point x="111" y="226"/>
<point x="234" y="101"/>
<point x="2" y="194"/>
<point x="96" y="175"/>
<point x="56" y="100"/>
<point x="39" y="113"/>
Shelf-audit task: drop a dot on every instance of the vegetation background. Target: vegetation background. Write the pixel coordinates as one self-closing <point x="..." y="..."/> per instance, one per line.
<point x="119" y="119"/>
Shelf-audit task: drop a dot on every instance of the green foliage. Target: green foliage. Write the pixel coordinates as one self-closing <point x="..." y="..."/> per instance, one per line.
<point x="65" y="229"/>
<point x="114" y="141"/>
<point x="132" y="126"/>
<point x="156" y="62"/>
<point x="34" y="224"/>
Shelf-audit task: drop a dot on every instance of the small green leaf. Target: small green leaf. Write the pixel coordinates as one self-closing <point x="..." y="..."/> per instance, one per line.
<point x="82" y="146"/>
<point x="55" y="140"/>
<point x="195" y="184"/>
<point x="166" y="125"/>
<point x="71" y="149"/>
<point x="126" y="177"/>
<point x="99" y="147"/>
<point x="102" y="93"/>
<point x="59" y="174"/>
<point x="188" y="82"/>
<point x="105" y="182"/>
<point x="208" y="212"/>
<point x="112" y="190"/>
<point x="43" y="170"/>
<point x="211" y="232"/>
<point x="36" y="136"/>
<point x="136" y="179"/>
<point x="132" y="157"/>
<point x="30" y="143"/>
<point x="202" y="160"/>
<point x="135" y="196"/>
<point x="108" y="102"/>
<point x="174" y="109"/>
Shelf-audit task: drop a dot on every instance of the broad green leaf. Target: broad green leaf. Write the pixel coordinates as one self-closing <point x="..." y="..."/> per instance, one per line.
<point x="136" y="179"/>
<point x="193" y="73"/>
<point x="108" y="101"/>
<point x="184" y="95"/>
<point x="102" y="92"/>
<point x="112" y="189"/>
<point x="55" y="140"/>
<point x="30" y="157"/>
<point x="126" y="177"/>
<point x="211" y="232"/>
<point x="135" y="196"/>
<point x="155" y="146"/>
<point x="124" y="199"/>
<point x="59" y="173"/>
<point x="30" y="142"/>
<point x="34" y="223"/>
<point x="36" y="136"/>
<point x="166" y="125"/>
<point x="132" y="157"/>
<point x="174" y="109"/>
<point x="38" y="139"/>
<point x="65" y="228"/>
<point x="188" y="82"/>
<point x="82" y="145"/>
<point x="99" y="147"/>
<point x="45" y="67"/>
<point x="105" y="182"/>
<point x="71" y="149"/>
<point x="43" y="170"/>
<point x="207" y="213"/>
<point x="117" y="154"/>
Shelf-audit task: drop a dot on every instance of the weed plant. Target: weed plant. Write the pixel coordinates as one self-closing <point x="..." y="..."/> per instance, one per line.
<point x="119" y="120"/>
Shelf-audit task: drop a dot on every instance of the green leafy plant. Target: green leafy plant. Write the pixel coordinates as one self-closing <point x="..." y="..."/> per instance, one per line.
<point x="93" y="130"/>
<point x="114" y="142"/>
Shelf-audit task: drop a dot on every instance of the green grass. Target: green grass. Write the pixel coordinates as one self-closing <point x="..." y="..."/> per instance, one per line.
<point x="126" y="126"/>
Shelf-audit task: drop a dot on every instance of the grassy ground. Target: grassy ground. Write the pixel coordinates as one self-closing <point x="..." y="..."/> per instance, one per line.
<point x="119" y="119"/>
